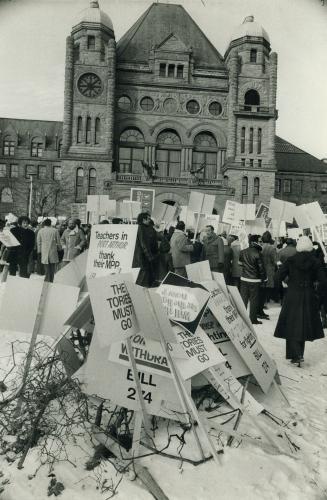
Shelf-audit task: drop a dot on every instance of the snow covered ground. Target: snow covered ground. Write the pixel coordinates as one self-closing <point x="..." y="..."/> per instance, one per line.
<point x="248" y="471"/>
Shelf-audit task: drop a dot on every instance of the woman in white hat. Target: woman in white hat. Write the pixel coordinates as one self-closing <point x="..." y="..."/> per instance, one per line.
<point x="299" y="319"/>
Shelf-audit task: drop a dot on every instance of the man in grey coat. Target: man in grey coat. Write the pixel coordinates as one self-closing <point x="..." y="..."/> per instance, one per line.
<point x="48" y="244"/>
<point x="180" y="248"/>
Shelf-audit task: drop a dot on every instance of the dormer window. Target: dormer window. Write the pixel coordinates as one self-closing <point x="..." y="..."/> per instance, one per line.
<point x="91" y="42"/>
<point x="253" y="55"/>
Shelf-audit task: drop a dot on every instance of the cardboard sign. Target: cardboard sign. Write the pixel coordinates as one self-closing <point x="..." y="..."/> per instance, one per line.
<point x="257" y="226"/>
<point x="8" y="239"/>
<point x="111" y="249"/>
<point x="231" y="390"/>
<point x="73" y="273"/>
<point x="235" y="212"/>
<point x="121" y="390"/>
<point x="209" y="220"/>
<point x="59" y="303"/>
<point x="281" y="210"/>
<point x="128" y="209"/>
<point x="278" y="228"/>
<point x="262" y="213"/>
<point x="201" y="352"/>
<point x="145" y="197"/>
<point x="82" y="315"/>
<point x="201" y="203"/>
<point x="200" y="271"/>
<point x="253" y="354"/>
<point x="183" y="301"/>
<point x="236" y="227"/>
<point x="163" y="213"/>
<point x="294" y="232"/>
<point x="97" y="203"/>
<point x="309" y="214"/>
<point x="112" y="307"/>
<point x="216" y="334"/>
<point x="79" y="211"/>
<point x="229" y="215"/>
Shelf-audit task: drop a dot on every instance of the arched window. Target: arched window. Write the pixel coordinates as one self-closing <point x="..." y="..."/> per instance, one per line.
<point x="204" y="158"/>
<point x="168" y="154"/>
<point x="36" y="147"/>
<point x="251" y="98"/>
<point x="92" y="187"/>
<point x="79" y="196"/>
<point x="97" y="131"/>
<point x="6" y="195"/>
<point x="245" y="183"/>
<point x="243" y="140"/>
<point x="88" y="130"/>
<point x="256" y="186"/>
<point x="8" y="148"/>
<point x="259" y="140"/>
<point x="79" y="129"/>
<point x="131" y="151"/>
<point x="251" y="140"/>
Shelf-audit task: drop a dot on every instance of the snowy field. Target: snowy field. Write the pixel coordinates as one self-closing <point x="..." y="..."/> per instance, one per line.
<point x="248" y="471"/>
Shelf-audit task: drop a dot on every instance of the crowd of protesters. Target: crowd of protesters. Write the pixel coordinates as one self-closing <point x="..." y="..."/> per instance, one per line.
<point x="282" y="271"/>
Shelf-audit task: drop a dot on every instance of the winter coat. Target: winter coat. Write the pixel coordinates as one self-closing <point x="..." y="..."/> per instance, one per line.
<point x="73" y="241"/>
<point x="165" y="262"/>
<point x="213" y="251"/>
<point x="253" y="269"/>
<point x="236" y="268"/>
<point x="285" y="253"/>
<point x="26" y="238"/>
<point x="228" y="258"/>
<point x="48" y="244"/>
<point x="180" y="248"/>
<point x="299" y="318"/>
<point x="269" y="257"/>
<point x="146" y="255"/>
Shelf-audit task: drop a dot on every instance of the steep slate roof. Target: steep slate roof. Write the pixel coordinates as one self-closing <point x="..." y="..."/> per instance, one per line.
<point x="22" y="126"/>
<point x="292" y="159"/>
<point x="156" y="24"/>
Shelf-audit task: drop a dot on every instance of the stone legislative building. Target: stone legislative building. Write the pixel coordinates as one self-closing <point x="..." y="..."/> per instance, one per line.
<point x="161" y="109"/>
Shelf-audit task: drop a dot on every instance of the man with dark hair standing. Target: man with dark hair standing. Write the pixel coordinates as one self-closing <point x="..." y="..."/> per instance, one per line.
<point x="48" y="244"/>
<point x="19" y="256"/>
<point x="146" y="251"/>
<point x="253" y="274"/>
<point x="181" y="249"/>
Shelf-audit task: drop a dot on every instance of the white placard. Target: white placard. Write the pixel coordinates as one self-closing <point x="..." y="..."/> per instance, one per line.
<point x="199" y="271"/>
<point x="97" y="203"/>
<point x="73" y="273"/>
<point x="8" y="239"/>
<point x="281" y="210"/>
<point x="111" y="249"/>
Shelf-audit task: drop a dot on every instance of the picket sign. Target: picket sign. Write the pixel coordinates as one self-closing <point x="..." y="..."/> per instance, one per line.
<point x="235" y="212"/>
<point x="200" y="204"/>
<point x="8" y="239"/>
<point x="294" y="232"/>
<point x="199" y="271"/>
<point x="73" y="273"/>
<point x="163" y="213"/>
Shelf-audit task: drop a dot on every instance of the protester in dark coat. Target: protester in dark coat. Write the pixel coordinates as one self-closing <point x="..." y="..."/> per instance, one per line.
<point x="236" y="268"/>
<point x="165" y="261"/>
<point x="269" y="256"/>
<point x="20" y="255"/>
<point x="197" y="248"/>
<point x="228" y="260"/>
<point x="146" y="251"/>
<point x="213" y="250"/>
<point x="299" y="319"/>
<point x="282" y="255"/>
<point x="253" y="275"/>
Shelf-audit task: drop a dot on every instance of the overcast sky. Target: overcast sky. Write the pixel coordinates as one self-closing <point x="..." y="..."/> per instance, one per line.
<point x="32" y="54"/>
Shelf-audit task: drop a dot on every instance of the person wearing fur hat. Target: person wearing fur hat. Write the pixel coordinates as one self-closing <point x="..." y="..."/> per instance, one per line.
<point x="299" y="320"/>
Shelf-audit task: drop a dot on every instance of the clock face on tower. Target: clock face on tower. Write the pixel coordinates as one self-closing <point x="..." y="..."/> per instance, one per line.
<point x="89" y="85"/>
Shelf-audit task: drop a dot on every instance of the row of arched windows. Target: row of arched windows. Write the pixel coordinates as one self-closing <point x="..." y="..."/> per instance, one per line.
<point x="245" y="186"/>
<point x="168" y="153"/>
<point x="88" y="131"/>
<point x="79" y="184"/>
<point x="250" y="134"/>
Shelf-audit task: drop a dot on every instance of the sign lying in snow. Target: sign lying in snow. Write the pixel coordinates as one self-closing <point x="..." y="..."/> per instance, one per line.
<point x="111" y="249"/>
<point x="183" y="300"/>
<point x="253" y="354"/>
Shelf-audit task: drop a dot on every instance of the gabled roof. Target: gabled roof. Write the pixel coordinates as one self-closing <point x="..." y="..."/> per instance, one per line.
<point x="155" y="25"/>
<point x="293" y="159"/>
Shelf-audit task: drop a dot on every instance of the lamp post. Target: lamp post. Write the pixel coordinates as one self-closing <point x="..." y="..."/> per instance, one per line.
<point x="30" y="196"/>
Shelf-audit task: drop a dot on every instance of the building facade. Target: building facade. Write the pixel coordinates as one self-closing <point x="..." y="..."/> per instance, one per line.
<point x="160" y="109"/>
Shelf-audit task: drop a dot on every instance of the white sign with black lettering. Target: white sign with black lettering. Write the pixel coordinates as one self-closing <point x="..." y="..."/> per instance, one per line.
<point x="253" y="354"/>
<point x="114" y="381"/>
<point x="111" y="249"/>
<point x="232" y="391"/>
<point x="200" y="351"/>
<point x="112" y="308"/>
<point x="216" y="334"/>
